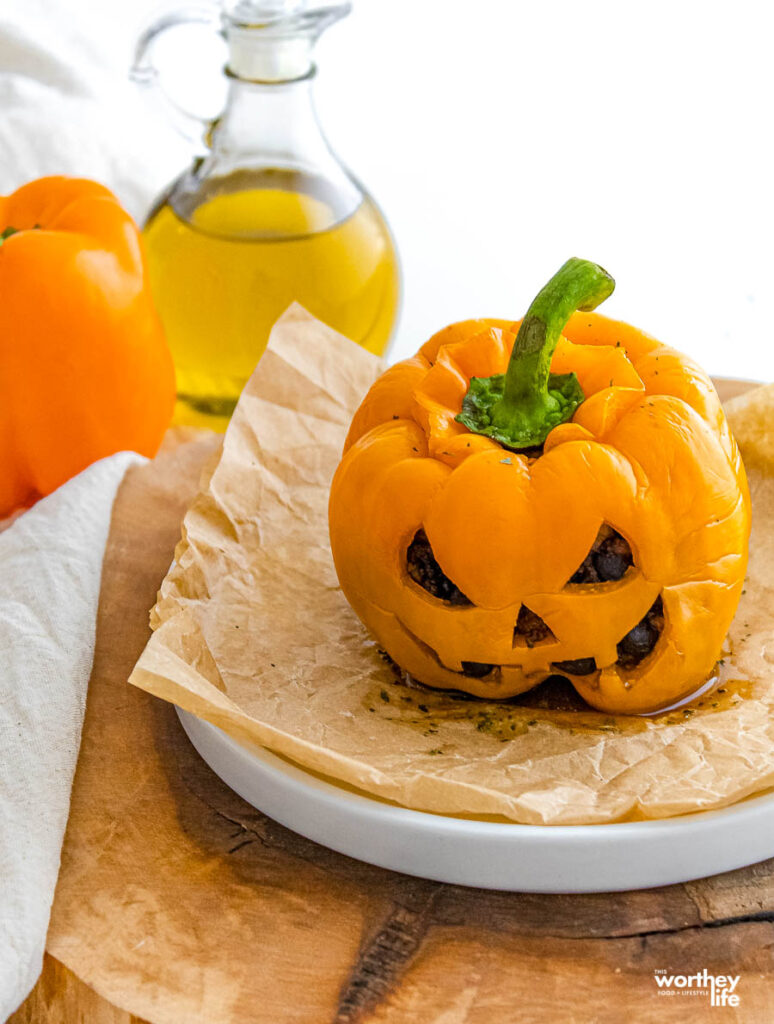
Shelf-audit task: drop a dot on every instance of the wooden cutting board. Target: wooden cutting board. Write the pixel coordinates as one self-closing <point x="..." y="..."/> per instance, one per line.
<point x="178" y="902"/>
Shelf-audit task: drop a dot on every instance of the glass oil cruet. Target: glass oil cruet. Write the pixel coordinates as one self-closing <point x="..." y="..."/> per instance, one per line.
<point x="266" y="216"/>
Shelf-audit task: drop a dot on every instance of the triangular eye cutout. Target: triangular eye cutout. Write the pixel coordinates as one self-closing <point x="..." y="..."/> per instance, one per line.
<point x="530" y="629"/>
<point x="608" y="560"/>
<point x="427" y="573"/>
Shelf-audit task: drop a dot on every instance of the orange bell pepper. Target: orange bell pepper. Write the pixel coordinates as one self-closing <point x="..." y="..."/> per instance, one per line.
<point x="594" y="525"/>
<point x="84" y="367"/>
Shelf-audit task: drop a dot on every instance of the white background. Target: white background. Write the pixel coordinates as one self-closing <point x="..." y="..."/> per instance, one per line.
<point x="502" y="137"/>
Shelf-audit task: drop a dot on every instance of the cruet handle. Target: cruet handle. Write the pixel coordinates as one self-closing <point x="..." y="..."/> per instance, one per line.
<point x="144" y="72"/>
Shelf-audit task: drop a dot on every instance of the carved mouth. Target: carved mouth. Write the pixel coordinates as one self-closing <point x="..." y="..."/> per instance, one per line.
<point x="639" y="644"/>
<point x="607" y="562"/>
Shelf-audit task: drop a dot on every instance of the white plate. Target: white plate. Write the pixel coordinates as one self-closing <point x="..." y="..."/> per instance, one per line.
<point x="489" y="855"/>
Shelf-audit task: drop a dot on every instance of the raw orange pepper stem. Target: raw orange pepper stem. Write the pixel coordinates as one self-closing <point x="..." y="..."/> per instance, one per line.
<point x="521" y="407"/>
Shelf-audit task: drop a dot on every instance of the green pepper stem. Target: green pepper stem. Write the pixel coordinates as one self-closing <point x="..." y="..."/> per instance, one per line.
<point x="579" y="284"/>
<point x="519" y="409"/>
<point x="7" y="233"/>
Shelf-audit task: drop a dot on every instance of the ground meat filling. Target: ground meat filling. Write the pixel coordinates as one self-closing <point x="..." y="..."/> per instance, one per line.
<point x="477" y="669"/>
<point x="427" y="573"/>
<point x="577" y="667"/>
<point x="640" y="641"/>
<point x="608" y="560"/>
<point x="533" y="452"/>
<point x="530" y="628"/>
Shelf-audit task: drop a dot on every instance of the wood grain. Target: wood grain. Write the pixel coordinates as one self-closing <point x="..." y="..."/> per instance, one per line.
<point x="179" y="902"/>
<point x="61" y="998"/>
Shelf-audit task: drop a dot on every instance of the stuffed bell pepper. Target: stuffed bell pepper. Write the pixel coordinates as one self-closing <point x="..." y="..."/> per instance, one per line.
<point x="559" y="495"/>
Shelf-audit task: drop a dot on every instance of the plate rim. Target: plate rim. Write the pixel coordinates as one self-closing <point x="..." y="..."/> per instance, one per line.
<point x="300" y="776"/>
<point x="603" y="840"/>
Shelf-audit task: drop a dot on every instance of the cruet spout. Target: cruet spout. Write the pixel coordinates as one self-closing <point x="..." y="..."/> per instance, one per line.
<point x="272" y="40"/>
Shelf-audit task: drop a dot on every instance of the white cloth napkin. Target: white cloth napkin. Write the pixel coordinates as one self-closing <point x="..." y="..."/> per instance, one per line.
<point x="50" y="567"/>
<point x="68" y="106"/>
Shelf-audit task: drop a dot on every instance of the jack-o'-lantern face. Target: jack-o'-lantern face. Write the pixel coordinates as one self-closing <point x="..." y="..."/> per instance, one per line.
<point x="613" y="554"/>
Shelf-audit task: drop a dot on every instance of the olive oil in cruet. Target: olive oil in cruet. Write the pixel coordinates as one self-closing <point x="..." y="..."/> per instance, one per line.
<point x="266" y="217"/>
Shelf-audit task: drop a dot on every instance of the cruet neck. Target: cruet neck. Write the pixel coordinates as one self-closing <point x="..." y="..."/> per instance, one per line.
<point x="272" y="41"/>
<point x="269" y="123"/>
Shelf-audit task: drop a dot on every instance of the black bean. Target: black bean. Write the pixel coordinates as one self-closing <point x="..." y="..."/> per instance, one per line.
<point x="637" y="643"/>
<point x="608" y="560"/>
<point x="578" y="667"/>
<point x="641" y="640"/>
<point x="611" y="565"/>
<point x="476" y="669"/>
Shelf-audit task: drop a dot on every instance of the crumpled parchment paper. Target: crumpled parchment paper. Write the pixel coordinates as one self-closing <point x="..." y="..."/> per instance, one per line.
<point x="252" y="633"/>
